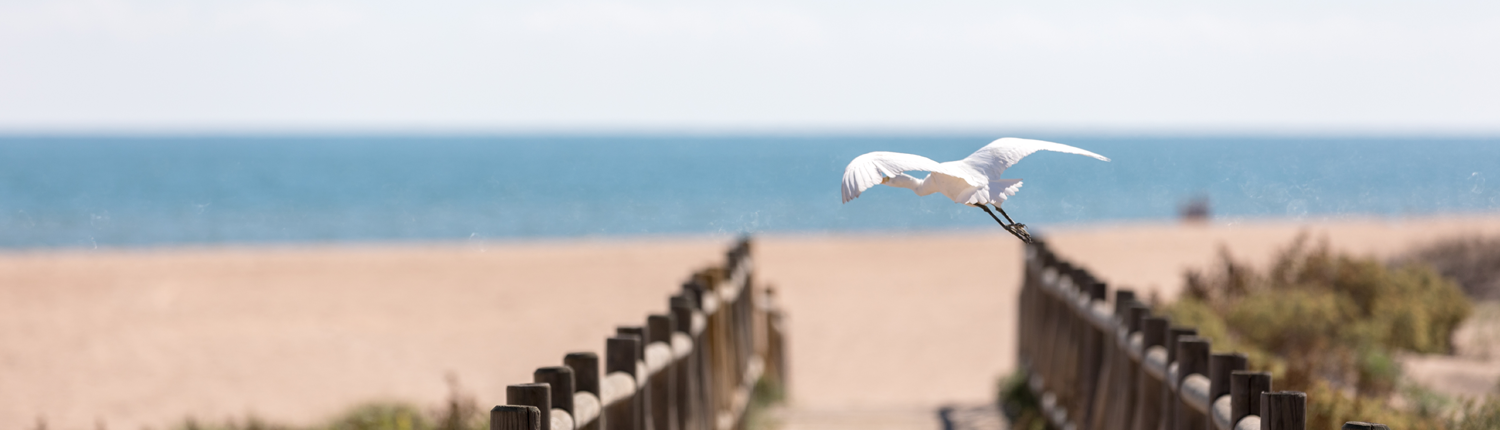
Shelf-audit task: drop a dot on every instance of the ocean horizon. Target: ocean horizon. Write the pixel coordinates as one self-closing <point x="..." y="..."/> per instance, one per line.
<point x="143" y="191"/>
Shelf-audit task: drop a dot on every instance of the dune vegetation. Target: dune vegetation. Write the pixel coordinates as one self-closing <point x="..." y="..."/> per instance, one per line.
<point x="1333" y="325"/>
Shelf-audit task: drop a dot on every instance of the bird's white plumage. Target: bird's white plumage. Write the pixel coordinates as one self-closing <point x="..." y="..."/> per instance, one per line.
<point x="871" y="169"/>
<point x="992" y="160"/>
<point x="974" y="180"/>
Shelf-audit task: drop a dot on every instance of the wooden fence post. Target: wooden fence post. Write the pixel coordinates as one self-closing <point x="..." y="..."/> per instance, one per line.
<point x="513" y="417"/>
<point x="560" y="378"/>
<point x="585" y="367"/>
<point x="1283" y="410"/>
<point x="1092" y="357"/>
<point x="620" y="354"/>
<point x="1046" y="359"/>
<point x="1064" y="352"/>
<point x="1148" y="399"/>
<point x="663" y="399"/>
<point x="1126" y="395"/>
<point x="688" y="394"/>
<point x="1244" y="393"/>
<point x="1079" y="293"/>
<point x="702" y="350"/>
<point x="642" y="397"/>
<point x="1105" y="397"/>
<point x="1024" y="312"/>
<point x="537" y="395"/>
<point x="1169" y="395"/>
<point x="1220" y="367"/>
<point x="1192" y="357"/>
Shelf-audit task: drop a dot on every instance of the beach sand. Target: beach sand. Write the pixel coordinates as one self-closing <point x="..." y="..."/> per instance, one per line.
<point x="880" y="325"/>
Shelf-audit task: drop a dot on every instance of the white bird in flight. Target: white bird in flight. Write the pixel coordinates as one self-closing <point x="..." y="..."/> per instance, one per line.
<point x="974" y="180"/>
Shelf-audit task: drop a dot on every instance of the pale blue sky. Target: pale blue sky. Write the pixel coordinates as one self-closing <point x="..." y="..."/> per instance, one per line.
<point x="253" y="65"/>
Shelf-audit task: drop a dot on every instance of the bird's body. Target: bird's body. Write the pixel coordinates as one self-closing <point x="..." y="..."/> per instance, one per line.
<point x="974" y="180"/>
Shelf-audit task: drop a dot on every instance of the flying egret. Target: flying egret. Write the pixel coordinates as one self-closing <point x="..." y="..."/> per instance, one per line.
<point x="974" y="180"/>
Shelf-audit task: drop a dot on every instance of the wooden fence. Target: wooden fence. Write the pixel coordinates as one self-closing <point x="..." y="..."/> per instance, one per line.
<point x="693" y="367"/>
<point x="1102" y="366"/>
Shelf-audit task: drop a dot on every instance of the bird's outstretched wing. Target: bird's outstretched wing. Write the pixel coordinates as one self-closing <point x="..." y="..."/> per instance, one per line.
<point x="992" y="160"/>
<point x="997" y="191"/>
<point x="870" y="169"/>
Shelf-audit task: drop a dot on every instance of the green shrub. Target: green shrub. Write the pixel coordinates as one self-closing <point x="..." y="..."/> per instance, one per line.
<point x="1330" y="324"/>
<point x="1328" y="408"/>
<point x="1316" y="315"/>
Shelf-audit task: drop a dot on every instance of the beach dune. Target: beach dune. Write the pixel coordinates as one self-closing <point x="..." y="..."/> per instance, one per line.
<point x="887" y="325"/>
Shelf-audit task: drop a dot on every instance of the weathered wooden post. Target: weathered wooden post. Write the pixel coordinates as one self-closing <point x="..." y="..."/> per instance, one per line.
<point x="513" y="417"/>
<point x="1220" y="367"/>
<point x="663" y="399"/>
<point x="1127" y="394"/>
<point x="1105" y="397"/>
<point x="1063" y="351"/>
<point x="1078" y="326"/>
<point x="560" y="379"/>
<point x="536" y="395"/>
<point x="1192" y="357"/>
<point x="688" y="394"/>
<point x="776" y="341"/>
<point x="1148" y="398"/>
<point x="1091" y="359"/>
<point x="642" y="398"/>
<point x="720" y="362"/>
<point x="1047" y="355"/>
<point x="620" y="354"/>
<point x="703" y="300"/>
<point x="585" y="367"/>
<point x="1169" y="394"/>
<point x="1283" y="410"/>
<point x="1025" y="320"/>
<point x="1244" y="393"/>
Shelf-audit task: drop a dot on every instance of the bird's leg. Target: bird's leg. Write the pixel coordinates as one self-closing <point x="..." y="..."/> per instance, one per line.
<point x="1002" y="212"/>
<point x="1009" y="228"/>
<point x="992" y="215"/>
<point x="1016" y="228"/>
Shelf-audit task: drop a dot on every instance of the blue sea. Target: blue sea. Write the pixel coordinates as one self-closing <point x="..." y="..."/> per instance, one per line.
<point x="121" y="192"/>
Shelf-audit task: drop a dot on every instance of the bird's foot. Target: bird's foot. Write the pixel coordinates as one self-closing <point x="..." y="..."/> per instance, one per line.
<point x="1020" y="231"/>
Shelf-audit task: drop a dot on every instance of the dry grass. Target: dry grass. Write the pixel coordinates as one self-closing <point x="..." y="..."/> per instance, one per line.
<point x="1330" y="324"/>
<point x="459" y="412"/>
<point x="1472" y="261"/>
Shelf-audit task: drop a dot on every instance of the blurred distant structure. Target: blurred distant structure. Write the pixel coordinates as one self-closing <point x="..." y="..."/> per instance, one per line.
<point x="1196" y="210"/>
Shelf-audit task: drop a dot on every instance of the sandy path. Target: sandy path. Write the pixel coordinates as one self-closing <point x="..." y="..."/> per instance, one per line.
<point x="894" y="324"/>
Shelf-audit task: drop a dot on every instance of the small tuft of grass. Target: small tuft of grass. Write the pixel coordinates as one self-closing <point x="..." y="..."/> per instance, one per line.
<point x="1022" y="408"/>
<point x="760" y="413"/>
<point x="459" y="412"/>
